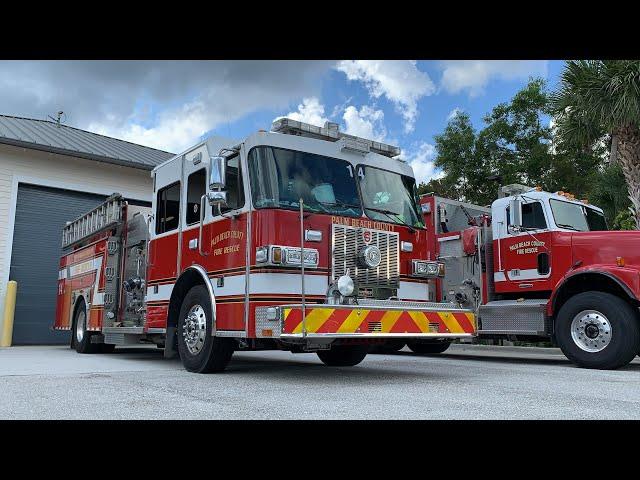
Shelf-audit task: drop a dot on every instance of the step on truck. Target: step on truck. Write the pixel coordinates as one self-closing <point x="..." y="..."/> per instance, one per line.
<point x="302" y="238"/>
<point x="539" y="266"/>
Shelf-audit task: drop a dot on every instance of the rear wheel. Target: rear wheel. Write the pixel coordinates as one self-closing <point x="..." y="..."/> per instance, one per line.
<point x="343" y="355"/>
<point x="598" y="330"/>
<point x="81" y="337"/>
<point x="428" y="347"/>
<point x="201" y="352"/>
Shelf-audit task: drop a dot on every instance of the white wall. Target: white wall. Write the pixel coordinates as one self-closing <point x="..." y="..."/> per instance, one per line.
<point x="21" y="165"/>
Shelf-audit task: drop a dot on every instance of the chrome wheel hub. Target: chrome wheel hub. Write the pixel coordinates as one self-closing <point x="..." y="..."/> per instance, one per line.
<point x="194" y="329"/>
<point x="80" y="325"/>
<point x="591" y="331"/>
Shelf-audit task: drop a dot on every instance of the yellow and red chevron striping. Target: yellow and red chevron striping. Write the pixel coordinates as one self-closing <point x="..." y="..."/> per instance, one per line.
<point x="361" y="320"/>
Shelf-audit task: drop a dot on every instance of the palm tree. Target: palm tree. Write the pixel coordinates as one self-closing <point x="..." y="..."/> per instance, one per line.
<point x="598" y="98"/>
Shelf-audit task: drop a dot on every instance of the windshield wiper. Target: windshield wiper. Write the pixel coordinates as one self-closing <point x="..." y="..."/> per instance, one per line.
<point x="388" y="213"/>
<point x="338" y="203"/>
<point x="570" y="227"/>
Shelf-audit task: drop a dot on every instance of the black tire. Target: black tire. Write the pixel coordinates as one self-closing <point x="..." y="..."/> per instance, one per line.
<point x="391" y="346"/>
<point x="625" y="330"/>
<point x="83" y="344"/>
<point x="343" y="355"/>
<point x="215" y="352"/>
<point x="428" y="347"/>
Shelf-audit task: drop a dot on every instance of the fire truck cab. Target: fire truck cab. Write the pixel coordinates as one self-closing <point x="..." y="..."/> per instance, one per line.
<point x="302" y="239"/>
<point x="541" y="266"/>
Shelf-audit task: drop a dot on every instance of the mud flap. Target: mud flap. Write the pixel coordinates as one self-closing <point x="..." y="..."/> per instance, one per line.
<point x="170" y="344"/>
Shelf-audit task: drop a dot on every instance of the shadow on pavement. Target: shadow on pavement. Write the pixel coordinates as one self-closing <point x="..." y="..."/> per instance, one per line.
<point x="501" y="358"/>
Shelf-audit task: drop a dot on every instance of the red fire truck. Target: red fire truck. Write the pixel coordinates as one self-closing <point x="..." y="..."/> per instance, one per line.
<point x="539" y="266"/>
<point x="302" y="239"/>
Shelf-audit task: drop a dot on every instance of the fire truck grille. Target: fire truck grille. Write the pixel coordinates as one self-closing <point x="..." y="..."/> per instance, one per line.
<point x="347" y="242"/>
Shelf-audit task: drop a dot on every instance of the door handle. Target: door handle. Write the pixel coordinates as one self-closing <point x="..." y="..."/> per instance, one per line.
<point x="204" y="254"/>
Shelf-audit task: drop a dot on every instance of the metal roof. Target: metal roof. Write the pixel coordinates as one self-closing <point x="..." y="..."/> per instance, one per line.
<point x="52" y="137"/>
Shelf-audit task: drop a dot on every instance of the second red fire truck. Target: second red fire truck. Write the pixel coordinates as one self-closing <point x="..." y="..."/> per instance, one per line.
<point x="539" y="266"/>
<point x="302" y="239"/>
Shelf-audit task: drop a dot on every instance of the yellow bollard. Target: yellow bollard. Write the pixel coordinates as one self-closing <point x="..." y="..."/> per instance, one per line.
<point x="9" y="310"/>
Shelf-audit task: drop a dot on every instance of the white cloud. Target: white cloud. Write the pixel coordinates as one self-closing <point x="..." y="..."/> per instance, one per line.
<point x="454" y="113"/>
<point x="474" y="75"/>
<point x="309" y="111"/>
<point x="174" y="131"/>
<point x="399" y="81"/>
<point x="365" y="123"/>
<point x="163" y="104"/>
<point x="421" y="160"/>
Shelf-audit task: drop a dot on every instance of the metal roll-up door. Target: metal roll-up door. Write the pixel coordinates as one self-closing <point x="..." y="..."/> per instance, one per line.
<point x="41" y="213"/>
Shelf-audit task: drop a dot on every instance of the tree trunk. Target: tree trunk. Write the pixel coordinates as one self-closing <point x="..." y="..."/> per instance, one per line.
<point x="628" y="156"/>
<point x="613" y="155"/>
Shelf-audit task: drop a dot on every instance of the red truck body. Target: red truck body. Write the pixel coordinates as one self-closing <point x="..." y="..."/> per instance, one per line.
<point x="543" y="278"/>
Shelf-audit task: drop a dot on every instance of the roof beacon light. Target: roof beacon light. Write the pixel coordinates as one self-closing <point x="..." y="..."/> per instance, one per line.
<point x="331" y="132"/>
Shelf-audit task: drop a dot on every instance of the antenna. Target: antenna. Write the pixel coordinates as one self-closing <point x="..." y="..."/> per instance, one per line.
<point x="58" y="120"/>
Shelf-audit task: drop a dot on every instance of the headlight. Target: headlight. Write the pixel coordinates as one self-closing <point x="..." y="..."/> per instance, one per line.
<point x="422" y="268"/>
<point x="262" y="254"/>
<point x="286" y="256"/>
<point x="345" y="285"/>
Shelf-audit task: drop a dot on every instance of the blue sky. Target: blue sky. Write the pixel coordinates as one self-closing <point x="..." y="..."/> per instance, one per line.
<point x="433" y="110"/>
<point x="170" y="105"/>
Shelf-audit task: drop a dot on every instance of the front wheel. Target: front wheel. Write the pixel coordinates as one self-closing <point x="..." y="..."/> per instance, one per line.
<point x="428" y="347"/>
<point x="598" y="330"/>
<point x="199" y="350"/>
<point x="343" y="355"/>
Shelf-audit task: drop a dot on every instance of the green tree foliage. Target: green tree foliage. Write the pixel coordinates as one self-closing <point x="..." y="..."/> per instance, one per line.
<point x="609" y="192"/>
<point x="458" y="156"/>
<point x="515" y="143"/>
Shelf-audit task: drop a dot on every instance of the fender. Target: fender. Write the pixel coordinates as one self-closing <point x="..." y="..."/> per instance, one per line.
<point x="628" y="279"/>
<point x="187" y="277"/>
<point x="186" y="273"/>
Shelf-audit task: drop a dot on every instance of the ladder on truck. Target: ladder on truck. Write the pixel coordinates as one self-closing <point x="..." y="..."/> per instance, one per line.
<point x="105" y="215"/>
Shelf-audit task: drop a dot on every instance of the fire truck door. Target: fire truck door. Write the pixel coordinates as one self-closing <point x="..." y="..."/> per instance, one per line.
<point x="196" y="236"/>
<point x="526" y="254"/>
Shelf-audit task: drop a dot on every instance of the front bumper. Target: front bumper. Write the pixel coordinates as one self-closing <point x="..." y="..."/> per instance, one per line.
<point x="390" y="319"/>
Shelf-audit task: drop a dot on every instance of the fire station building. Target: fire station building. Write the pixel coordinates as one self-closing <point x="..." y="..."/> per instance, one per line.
<point x="50" y="174"/>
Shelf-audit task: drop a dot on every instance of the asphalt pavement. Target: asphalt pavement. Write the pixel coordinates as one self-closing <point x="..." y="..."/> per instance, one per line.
<point x="466" y="382"/>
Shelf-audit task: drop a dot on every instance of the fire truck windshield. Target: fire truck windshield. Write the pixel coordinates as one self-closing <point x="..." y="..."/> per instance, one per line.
<point x="389" y="196"/>
<point x="279" y="178"/>
<point x="577" y="217"/>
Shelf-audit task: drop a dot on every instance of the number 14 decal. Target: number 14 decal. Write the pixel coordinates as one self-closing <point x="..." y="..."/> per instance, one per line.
<point x="360" y="172"/>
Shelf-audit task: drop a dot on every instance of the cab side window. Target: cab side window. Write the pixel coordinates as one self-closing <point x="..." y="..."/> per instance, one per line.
<point x="532" y="216"/>
<point x="196" y="186"/>
<point x="234" y="186"/>
<point x="168" y="208"/>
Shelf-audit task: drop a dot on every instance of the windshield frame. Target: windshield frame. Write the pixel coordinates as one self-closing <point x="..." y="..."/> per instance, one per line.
<point x="360" y="212"/>
<point x="580" y="206"/>
<point x="416" y="203"/>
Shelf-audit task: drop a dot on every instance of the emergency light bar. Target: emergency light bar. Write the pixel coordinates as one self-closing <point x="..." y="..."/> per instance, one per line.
<point x="331" y="132"/>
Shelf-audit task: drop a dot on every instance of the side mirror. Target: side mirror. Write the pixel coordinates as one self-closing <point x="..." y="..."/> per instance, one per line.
<point x="217" y="176"/>
<point x="217" y="198"/>
<point x="515" y="214"/>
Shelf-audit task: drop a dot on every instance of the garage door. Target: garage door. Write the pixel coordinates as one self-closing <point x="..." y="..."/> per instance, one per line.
<point x="40" y="215"/>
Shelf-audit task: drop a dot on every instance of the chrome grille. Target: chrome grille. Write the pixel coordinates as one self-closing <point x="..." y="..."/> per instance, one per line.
<point x="347" y="243"/>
